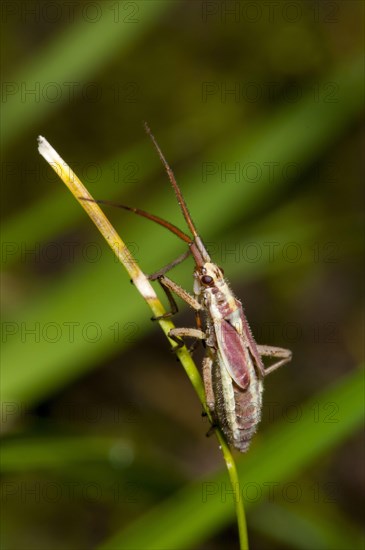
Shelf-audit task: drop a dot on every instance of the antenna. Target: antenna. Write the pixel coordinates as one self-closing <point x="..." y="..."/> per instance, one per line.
<point x="196" y="245"/>
<point x="174" y="184"/>
<point x="170" y="226"/>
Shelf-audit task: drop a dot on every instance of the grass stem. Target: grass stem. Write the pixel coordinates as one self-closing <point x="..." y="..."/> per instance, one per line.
<point x="148" y="293"/>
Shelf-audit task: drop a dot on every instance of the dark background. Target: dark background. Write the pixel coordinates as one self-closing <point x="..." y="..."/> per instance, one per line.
<point x="258" y="108"/>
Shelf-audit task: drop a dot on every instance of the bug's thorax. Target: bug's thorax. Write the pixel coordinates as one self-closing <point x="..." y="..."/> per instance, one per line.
<point x="213" y="292"/>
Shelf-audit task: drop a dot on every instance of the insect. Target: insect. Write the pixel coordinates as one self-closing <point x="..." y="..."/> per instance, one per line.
<point x="233" y="370"/>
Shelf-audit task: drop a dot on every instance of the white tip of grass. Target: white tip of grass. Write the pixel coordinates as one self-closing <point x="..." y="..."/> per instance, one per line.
<point x="47" y="151"/>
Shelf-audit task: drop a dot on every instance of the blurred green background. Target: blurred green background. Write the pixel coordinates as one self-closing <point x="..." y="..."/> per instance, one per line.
<point x="258" y="108"/>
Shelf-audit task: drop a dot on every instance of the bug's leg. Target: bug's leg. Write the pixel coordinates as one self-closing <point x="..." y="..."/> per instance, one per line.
<point x="188" y="298"/>
<point x="176" y="334"/>
<point x="173" y="305"/>
<point x="283" y="356"/>
<point x="199" y="325"/>
<point x="209" y="393"/>
<point x="208" y="385"/>
<point x="197" y="334"/>
<point x="210" y="432"/>
<point x="169" y="286"/>
<point x="168" y="267"/>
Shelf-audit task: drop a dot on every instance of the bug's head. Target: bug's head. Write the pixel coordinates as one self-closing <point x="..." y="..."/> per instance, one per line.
<point x="207" y="276"/>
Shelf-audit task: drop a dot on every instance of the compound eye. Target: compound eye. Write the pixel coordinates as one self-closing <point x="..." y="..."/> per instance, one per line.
<point x="207" y="280"/>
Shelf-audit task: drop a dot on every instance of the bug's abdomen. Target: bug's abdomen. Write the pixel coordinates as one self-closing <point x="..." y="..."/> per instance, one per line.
<point x="237" y="411"/>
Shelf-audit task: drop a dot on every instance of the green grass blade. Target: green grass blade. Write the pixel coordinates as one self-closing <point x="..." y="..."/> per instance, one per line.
<point x="297" y="134"/>
<point x="35" y="368"/>
<point x="204" y="508"/>
<point x="29" y="454"/>
<point x="95" y="43"/>
<point x="304" y="528"/>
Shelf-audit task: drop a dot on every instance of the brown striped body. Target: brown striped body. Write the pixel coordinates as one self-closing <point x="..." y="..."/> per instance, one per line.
<point x="236" y="411"/>
<point x="236" y="366"/>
